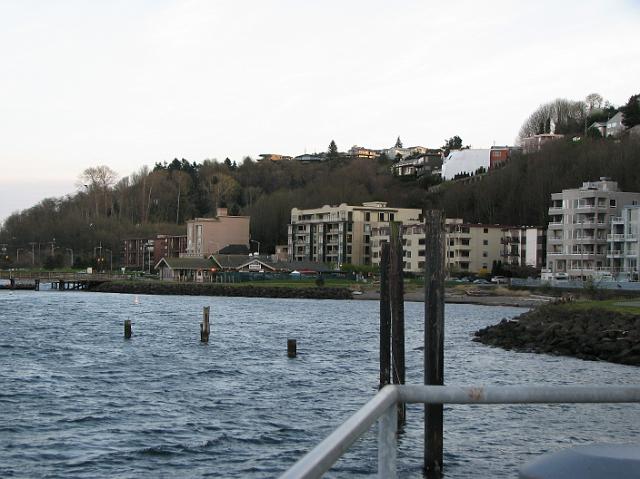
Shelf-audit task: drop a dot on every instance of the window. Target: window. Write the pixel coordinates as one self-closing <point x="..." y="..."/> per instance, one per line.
<point x="450" y="254"/>
<point x="612" y="203"/>
<point x="484" y="254"/>
<point x="381" y="216"/>
<point x="367" y="216"/>
<point x="392" y="217"/>
<point x="485" y="242"/>
<point x="486" y="230"/>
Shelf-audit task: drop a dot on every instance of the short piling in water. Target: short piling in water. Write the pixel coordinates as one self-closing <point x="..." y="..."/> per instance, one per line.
<point x="127" y="329"/>
<point x="292" y="348"/>
<point x="36" y="285"/>
<point x="204" y="325"/>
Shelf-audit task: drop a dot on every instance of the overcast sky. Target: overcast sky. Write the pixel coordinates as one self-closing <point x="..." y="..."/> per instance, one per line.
<point x="129" y="83"/>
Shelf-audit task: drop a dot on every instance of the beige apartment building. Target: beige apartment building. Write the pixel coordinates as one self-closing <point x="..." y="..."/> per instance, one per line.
<point x="469" y="248"/>
<point x="579" y="221"/>
<point x="207" y="236"/>
<point x="341" y="234"/>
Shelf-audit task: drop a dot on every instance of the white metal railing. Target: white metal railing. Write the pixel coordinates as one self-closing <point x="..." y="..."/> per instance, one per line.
<point x="382" y="408"/>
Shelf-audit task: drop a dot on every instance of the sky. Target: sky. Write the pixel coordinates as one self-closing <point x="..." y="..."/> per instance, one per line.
<point x="134" y="82"/>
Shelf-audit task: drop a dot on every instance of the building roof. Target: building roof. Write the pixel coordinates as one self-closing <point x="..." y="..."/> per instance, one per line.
<point x="235" y="249"/>
<point x="186" y="263"/>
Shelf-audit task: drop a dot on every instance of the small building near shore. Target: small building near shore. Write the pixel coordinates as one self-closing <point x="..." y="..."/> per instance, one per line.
<point x="197" y="270"/>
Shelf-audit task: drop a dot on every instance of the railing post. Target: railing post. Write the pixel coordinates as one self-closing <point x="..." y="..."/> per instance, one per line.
<point x="387" y="443"/>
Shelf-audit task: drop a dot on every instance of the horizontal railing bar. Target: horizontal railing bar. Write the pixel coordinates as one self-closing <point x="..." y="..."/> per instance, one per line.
<point x="518" y="394"/>
<point x="320" y="459"/>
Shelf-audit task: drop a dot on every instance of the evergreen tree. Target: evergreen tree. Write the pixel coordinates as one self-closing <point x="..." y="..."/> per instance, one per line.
<point x="631" y="112"/>
<point x="227" y="163"/>
<point x="333" y="151"/>
<point x="398" y="143"/>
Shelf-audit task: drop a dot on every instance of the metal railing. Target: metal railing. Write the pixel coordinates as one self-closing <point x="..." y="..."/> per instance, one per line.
<point x="382" y="408"/>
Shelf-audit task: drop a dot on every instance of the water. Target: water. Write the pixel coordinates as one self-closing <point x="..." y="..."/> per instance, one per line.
<point x="77" y="400"/>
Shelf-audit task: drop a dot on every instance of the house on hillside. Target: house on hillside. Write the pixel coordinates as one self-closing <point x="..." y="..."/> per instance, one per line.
<point x="534" y="143"/>
<point x="615" y="128"/>
<point x="273" y="157"/>
<point x="360" y="152"/>
<point x="310" y="158"/>
<point x="465" y="161"/>
<point x="426" y="163"/>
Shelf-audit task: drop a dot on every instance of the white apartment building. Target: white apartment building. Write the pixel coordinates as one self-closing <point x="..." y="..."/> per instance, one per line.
<point x="342" y="233"/>
<point x="524" y="246"/>
<point x="579" y="221"/>
<point x="624" y="244"/>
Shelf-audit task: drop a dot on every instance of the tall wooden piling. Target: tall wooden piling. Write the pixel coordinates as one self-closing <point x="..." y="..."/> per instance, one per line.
<point x="434" y="339"/>
<point x="385" y="318"/>
<point x="127" y="329"/>
<point x="396" y="292"/>
<point x="204" y="325"/>
<point x="292" y="348"/>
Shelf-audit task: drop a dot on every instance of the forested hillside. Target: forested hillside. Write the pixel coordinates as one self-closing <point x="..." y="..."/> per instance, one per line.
<point x="519" y="193"/>
<point x="106" y="209"/>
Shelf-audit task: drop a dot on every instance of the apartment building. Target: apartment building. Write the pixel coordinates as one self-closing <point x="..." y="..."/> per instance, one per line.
<point x="579" y="221"/>
<point x="138" y="253"/>
<point x="341" y="234"/>
<point x="469" y="248"/>
<point x="169" y="246"/>
<point x="207" y="236"/>
<point x="623" y="242"/>
<point x="524" y="246"/>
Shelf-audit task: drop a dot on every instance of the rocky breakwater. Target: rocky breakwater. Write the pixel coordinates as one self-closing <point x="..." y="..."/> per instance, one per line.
<point x="211" y="289"/>
<point x="592" y="334"/>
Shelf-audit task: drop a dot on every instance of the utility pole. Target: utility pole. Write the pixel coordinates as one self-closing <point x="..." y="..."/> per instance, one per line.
<point x="33" y="253"/>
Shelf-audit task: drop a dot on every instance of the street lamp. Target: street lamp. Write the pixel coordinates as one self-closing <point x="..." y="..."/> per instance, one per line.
<point x="258" y="243"/>
<point x="71" y="252"/>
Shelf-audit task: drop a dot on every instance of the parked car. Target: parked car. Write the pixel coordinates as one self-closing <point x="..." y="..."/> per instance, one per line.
<point x="499" y="280"/>
<point x="481" y="281"/>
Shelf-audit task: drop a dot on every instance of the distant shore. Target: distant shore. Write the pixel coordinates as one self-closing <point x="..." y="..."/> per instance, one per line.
<point x="213" y="289"/>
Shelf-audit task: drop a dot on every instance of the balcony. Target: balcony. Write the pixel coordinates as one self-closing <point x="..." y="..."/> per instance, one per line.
<point x="616" y="253"/>
<point x="556" y="210"/>
<point x="557" y="239"/>
<point x="617" y="220"/>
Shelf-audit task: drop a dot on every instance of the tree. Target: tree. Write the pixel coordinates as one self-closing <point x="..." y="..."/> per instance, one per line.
<point x="333" y="151"/>
<point x="227" y="163"/>
<point x="594" y="101"/>
<point x="453" y="143"/>
<point x="398" y="143"/>
<point x="631" y="112"/>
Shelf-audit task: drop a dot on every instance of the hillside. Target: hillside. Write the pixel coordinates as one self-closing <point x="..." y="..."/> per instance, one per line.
<point x="159" y="201"/>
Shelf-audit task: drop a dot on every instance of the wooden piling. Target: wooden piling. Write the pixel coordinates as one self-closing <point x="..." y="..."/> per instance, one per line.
<point x="204" y="325"/>
<point x="36" y="286"/>
<point x="292" y="348"/>
<point x="127" y="329"/>
<point x="396" y="291"/>
<point x="434" y="339"/>
<point x="385" y="318"/>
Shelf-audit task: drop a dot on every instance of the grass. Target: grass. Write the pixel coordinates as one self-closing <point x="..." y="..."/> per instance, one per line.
<point x="629" y="306"/>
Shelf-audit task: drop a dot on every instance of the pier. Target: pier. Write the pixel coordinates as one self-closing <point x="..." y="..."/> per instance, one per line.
<point x="58" y="280"/>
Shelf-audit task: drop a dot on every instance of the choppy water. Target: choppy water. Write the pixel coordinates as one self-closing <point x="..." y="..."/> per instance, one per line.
<point x="77" y="400"/>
